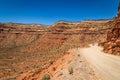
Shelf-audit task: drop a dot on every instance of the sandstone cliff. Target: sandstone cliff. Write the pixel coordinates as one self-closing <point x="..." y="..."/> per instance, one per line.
<point x="112" y="43"/>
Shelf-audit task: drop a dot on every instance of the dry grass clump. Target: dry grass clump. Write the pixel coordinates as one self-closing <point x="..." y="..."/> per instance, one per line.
<point x="70" y="70"/>
<point x="46" y="77"/>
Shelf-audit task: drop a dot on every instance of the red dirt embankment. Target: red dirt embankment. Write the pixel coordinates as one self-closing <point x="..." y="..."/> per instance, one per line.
<point x="51" y="69"/>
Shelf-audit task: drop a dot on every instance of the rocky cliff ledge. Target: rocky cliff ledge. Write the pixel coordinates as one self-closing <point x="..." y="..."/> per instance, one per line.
<point x="112" y="43"/>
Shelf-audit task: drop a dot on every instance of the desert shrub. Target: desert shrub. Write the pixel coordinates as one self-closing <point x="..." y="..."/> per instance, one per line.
<point x="78" y="55"/>
<point x="46" y="77"/>
<point x="70" y="70"/>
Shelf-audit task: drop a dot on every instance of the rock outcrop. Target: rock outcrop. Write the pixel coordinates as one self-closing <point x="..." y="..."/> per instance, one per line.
<point x="112" y="43"/>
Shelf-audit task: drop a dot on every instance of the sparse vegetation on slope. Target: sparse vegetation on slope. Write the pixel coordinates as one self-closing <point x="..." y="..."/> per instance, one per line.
<point x="46" y="77"/>
<point x="70" y="69"/>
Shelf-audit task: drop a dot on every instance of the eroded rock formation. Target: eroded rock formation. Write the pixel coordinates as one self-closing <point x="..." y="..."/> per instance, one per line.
<point x="112" y="43"/>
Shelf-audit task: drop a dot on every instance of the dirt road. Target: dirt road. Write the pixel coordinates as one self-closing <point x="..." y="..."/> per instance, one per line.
<point x="81" y="69"/>
<point x="87" y="64"/>
<point x="107" y="67"/>
<point x="91" y="64"/>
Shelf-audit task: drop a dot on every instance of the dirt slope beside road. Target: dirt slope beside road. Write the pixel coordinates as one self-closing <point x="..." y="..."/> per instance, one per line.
<point x="59" y="70"/>
<point x="106" y="66"/>
<point x="91" y="64"/>
<point x="86" y="63"/>
<point x="81" y="69"/>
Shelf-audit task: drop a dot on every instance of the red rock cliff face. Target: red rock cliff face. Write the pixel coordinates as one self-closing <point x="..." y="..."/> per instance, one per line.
<point x="112" y="44"/>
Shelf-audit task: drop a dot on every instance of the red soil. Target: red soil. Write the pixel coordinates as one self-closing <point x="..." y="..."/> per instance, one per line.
<point x="51" y="69"/>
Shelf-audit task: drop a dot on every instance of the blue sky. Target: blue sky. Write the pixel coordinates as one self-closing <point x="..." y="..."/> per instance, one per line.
<point x="50" y="11"/>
